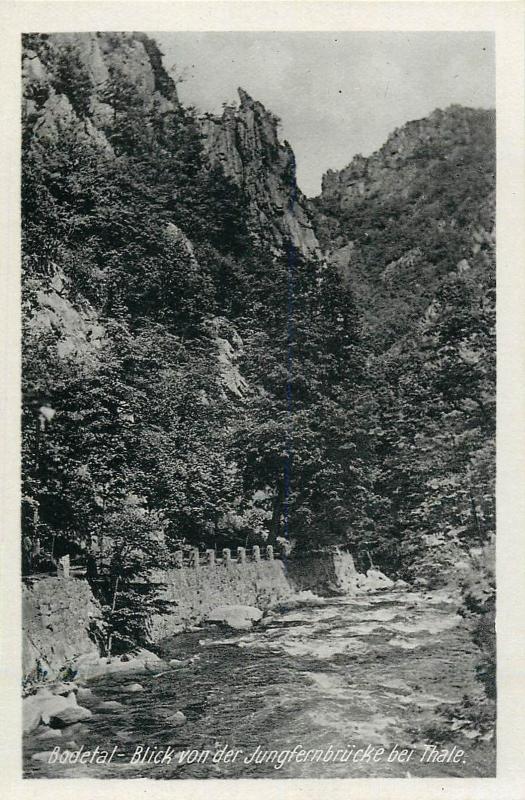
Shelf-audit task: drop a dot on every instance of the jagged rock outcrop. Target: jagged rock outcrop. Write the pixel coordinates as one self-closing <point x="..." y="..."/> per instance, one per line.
<point x="244" y="142"/>
<point x="69" y="81"/>
<point x="229" y="349"/>
<point x="77" y="327"/>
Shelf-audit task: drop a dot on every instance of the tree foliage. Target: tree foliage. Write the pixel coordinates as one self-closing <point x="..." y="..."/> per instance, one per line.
<point x="183" y="385"/>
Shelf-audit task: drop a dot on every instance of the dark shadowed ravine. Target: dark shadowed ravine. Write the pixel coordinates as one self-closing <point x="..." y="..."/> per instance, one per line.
<point x="346" y="672"/>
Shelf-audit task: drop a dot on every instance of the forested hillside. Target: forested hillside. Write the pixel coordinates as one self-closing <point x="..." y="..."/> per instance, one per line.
<point x="211" y="358"/>
<point x="412" y="230"/>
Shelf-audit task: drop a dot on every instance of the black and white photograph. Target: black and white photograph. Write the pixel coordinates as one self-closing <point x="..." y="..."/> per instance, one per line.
<point x="258" y="303"/>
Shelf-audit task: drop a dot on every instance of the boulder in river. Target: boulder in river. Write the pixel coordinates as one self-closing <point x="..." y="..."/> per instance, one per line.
<point x="176" y="719"/>
<point x="50" y="733"/>
<point x="132" y="687"/>
<point x="376" y="580"/>
<point x="84" y="693"/>
<point x="68" y="716"/>
<point x="110" y="704"/>
<point x="140" y="661"/>
<point x="63" y="688"/>
<point x="237" y="617"/>
<point x="44" y="756"/>
<point x="76" y="729"/>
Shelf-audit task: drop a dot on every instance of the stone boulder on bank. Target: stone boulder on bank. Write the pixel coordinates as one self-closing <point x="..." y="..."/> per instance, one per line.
<point x="91" y="666"/>
<point x="44" y="705"/>
<point x="69" y="716"/>
<point x="240" y="618"/>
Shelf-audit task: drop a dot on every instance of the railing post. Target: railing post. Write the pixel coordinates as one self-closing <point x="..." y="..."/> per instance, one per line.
<point x="241" y="555"/>
<point x="256" y="552"/>
<point x="227" y="556"/>
<point x="195" y="562"/>
<point x="269" y="552"/>
<point x="210" y="556"/>
<point x="178" y="559"/>
<point x="63" y="567"/>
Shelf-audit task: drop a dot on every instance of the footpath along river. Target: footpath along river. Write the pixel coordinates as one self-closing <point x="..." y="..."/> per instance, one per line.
<point x="330" y="675"/>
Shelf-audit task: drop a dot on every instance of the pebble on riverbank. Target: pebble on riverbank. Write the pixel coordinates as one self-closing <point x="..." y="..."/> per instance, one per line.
<point x="50" y="733"/>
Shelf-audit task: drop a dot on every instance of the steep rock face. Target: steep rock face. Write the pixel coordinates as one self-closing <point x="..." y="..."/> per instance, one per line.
<point x="244" y="142"/>
<point x="69" y="80"/>
<point x="80" y="82"/>
<point x="77" y="328"/>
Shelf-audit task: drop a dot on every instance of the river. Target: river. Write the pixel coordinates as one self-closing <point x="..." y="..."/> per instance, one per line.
<point x="341" y="674"/>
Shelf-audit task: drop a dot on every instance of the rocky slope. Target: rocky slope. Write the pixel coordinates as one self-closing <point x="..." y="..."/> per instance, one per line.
<point x="70" y="80"/>
<point x="220" y="384"/>
<point x="81" y="82"/>
<point x="421" y="207"/>
<point x="244" y="141"/>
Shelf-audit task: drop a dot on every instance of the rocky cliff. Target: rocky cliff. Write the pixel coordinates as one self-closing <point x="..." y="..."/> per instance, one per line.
<point x="81" y="82"/>
<point x="395" y="169"/>
<point x="192" y="367"/>
<point x="71" y="80"/>
<point x="244" y="142"/>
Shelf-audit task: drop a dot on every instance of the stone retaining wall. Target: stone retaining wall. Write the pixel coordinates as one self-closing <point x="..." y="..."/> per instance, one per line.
<point x="56" y="616"/>
<point x="193" y="593"/>
<point x="58" y="612"/>
<point x="325" y="573"/>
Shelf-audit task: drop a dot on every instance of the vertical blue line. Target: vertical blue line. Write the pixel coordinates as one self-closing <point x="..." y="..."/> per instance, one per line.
<point x="291" y="263"/>
<point x="291" y="266"/>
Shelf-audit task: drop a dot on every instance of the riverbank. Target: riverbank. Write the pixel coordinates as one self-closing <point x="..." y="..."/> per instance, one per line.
<point x="61" y="616"/>
<point x="380" y="669"/>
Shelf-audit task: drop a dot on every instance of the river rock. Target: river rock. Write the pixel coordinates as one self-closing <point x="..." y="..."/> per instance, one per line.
<point x="42" y="706"/>
<point x="377" y="580"/>
<point x="84" y="693"/>
<point x="176" y="719"/>
<point x="109" y="704"/>
<point x="238" y="622"/>
<point x="140" y="661"/>
<point x="305" y="598"/>
<point x="44" y="756"/>
<point x="76" y="729"/>
<point x="132" y="687"/>
<point x="30" y="716"/>
<point x="63" y="688"/>
<point x="237" y="617"/>
<point x="50" y="733"/>
<point x="88" y="665"/>
<point x="68" y="716"/>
